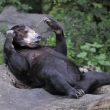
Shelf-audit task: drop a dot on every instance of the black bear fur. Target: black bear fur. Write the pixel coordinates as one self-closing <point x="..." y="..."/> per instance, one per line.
<point x="47" y="67"/>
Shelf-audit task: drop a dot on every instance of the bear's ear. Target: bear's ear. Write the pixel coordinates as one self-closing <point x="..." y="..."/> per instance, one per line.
<point x="15" y="28"/>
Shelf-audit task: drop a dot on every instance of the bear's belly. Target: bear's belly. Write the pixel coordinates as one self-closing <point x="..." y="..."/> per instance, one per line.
<point x="47" y="56"/>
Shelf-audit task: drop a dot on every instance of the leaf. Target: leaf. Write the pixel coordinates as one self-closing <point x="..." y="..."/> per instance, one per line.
<point x="92" y="49"/>
<point x="47" y="6"/>
<point x="107" y="63"/>
<point x="82" y="55"/>
<point x="101" y="62"/>
<point x="62" y="1"/>
<point x="85" y="47"/>
<point x="2" y="2"/>
<point x="97" y="5"/>
<point x="101" y="57"/>
<point x="96" y="45"/>
<point x="98" y="69"/>
<point x="81" y="2"/>
<point x="103" y="10"/>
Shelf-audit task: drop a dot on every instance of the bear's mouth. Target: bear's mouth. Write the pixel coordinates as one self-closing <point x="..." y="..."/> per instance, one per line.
<point x="33" y="44"/>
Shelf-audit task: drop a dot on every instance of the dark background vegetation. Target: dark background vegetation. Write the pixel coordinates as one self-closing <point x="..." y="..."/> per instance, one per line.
<point x="87" y="27"/>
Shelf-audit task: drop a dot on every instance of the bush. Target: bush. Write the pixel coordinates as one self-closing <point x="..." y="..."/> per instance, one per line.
<point x="89" y="43"/>
<point x="17" y="3"/>
<point x="87" y="25"/>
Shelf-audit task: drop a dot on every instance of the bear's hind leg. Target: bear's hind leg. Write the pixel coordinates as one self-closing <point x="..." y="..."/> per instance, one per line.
<point x="92" y="80"/>
<point x="56" y="84"/>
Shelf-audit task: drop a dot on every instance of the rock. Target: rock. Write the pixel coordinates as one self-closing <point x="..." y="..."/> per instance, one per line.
<point x="11" y="17"/>
<point x="12" y="98"/>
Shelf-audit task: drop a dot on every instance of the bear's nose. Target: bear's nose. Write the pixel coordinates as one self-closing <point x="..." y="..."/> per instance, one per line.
<point x="37" y="36"/>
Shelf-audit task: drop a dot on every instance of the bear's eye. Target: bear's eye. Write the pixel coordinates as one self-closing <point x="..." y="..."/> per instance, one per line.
<point x="26" y="31"/>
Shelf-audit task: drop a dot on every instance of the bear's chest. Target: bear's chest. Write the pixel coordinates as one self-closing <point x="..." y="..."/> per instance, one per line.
<point x="32" y="54"/>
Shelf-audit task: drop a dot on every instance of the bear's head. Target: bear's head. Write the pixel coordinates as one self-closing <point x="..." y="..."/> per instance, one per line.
<point x="25" y="36"/>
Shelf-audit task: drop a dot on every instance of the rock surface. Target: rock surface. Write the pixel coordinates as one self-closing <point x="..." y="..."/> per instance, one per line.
<point x="12" y="98"/>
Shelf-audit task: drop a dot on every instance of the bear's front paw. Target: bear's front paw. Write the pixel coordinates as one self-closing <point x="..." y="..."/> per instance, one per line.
<point x="45" y="19"/>
<point x="76" y="93"/>
<point x="10" y="31"/>
<point x="9" y="35"/>
<point x="53" y="25"/>
<point x="48" y="21"/>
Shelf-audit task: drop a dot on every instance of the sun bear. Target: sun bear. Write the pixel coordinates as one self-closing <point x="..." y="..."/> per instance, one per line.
<point x="47" y="67"/>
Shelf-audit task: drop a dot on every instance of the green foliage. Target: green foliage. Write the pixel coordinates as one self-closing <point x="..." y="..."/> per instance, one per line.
<point x="97" y="36"/>
<point x="88" y="54"/>
<point x="87" y="27"/>
<point x="87" y="30"/>
<point x="50" y="41"/>
<point x="34" y="6"/>
<point x="16" y="3"/>
<point x="22" y="5"/>
<point x="3" y="29"/>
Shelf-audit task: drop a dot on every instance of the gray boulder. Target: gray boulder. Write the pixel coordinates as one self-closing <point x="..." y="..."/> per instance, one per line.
<point x="12" y="17"/>
<point x="12" y="98"/>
